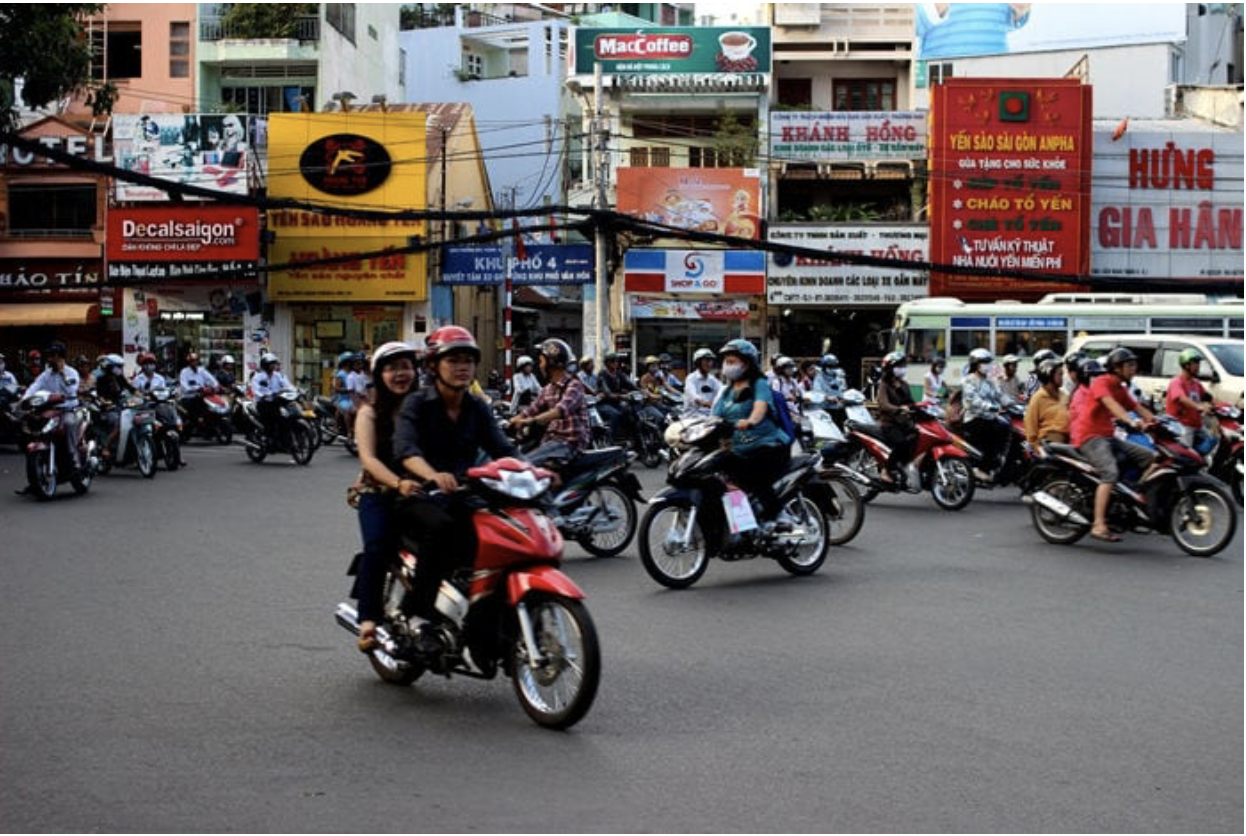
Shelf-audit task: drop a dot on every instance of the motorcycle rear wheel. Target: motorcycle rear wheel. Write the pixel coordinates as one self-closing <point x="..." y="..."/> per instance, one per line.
<point x="667" y="562"/>
<point x="808" y="558"/>
<point x="1050" y="526"/>
<point x="559" y="690"/>
<point x="82" y="478"/>
<point x="650" y="449"/>
<point x="224" y="433"/>
<point x="862" y="462"/>
<point x="40" y="475"/>
<point x="952" y="485"/>
<point x="145" y="456"/>
<point x="302" y="445"/>
<point x="1202" y="521"/>
<point x="616" y="510"/>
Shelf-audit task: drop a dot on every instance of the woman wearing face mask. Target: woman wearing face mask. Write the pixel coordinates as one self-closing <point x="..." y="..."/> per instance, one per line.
<point x="760" y="450"/>
<point x="895" y="401"/>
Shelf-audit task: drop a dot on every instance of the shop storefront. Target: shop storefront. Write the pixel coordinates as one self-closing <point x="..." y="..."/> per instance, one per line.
<point x="43" y="299"/>
<point x="188" y="282"/>
<point x="682" y="300"/>
<point x="818" y="306"/>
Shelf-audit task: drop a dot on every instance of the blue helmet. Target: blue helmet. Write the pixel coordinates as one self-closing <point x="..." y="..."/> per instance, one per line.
<point x="743" y="348"/>
<point x="828" y="362"/>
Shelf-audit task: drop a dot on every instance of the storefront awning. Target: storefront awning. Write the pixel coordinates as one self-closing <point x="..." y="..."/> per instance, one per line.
<point x="49" y="313"/>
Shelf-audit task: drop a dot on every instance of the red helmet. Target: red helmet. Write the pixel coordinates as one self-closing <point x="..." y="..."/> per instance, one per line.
<point x="449" y="339"/>
<point x="146" y="357"/>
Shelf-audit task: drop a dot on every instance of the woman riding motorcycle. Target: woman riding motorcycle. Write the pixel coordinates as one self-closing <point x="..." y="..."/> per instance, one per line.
<point x="760" y="450"/>
<point x="983" y="400"/>
<point x="895" y="416"/>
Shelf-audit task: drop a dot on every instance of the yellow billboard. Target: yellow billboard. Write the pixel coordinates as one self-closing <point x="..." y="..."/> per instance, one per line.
<point x="394" y="277"/>
<point x="351" y="160"/>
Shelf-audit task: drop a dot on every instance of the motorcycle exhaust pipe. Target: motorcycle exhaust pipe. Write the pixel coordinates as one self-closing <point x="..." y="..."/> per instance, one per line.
<point x="347" y="618"/>
<point x="1059" y="508"/>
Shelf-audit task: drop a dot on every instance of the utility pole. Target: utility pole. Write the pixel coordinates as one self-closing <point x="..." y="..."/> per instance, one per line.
<point x="601" y="301"/>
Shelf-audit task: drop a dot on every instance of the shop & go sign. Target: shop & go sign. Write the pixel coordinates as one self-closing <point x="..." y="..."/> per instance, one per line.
<point x="674" y="50"/>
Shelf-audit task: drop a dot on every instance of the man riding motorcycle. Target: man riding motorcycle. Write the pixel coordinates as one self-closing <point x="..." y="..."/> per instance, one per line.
<point x="227" y="376"/>
<point x="560" y="408"/>
<point x="1188" y="402"/>
<point x="701" y="388"/>
<point x="983" y="400"/>
<point x="148" y="378"/>
<point x="265" y="386"/>
<point x="614" y="384"/>
<point x="440" y="432"/>
<point x="195" y="382"/>
<point x="61" y="380"/>
<point x="111" y="388"/>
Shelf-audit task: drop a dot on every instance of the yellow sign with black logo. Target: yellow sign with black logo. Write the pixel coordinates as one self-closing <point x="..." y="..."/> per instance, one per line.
<point x="374" y="161"/>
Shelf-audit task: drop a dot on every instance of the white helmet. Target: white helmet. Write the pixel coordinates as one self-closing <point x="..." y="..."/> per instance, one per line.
<point x="267" y="359"/>
<point x="389" y="351"/>
<point x="227" y="360"/>
<point x="782" y="362"/>
<point x="979" y="356"/>
<point x="702" y="354"/>
<point x="525" y="360"/>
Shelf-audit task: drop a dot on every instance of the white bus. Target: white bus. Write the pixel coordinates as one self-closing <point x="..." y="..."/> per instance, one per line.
<point x="949" y="328"/>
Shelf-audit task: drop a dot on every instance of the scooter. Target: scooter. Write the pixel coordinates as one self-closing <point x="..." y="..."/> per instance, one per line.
<point x="48" y="456"/>
<point x="1225" y="459"/>
<point x="702" y="514"/>
<point x="136" y="439"/>
<point x="513" y="610"/>
<point x="940" y="462"/>
<point x="169" y="428"/>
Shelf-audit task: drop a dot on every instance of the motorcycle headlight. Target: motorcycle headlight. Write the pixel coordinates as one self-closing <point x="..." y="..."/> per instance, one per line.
<point x="50" y="426"/>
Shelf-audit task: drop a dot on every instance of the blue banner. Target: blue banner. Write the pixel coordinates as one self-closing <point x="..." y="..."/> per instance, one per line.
<point x="546" y="264"/>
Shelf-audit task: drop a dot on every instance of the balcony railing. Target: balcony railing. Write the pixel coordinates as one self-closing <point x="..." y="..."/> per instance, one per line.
<point x="303" y="28"/>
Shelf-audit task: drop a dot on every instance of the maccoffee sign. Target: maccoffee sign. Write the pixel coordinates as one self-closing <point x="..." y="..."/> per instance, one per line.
<point x="181" y="242"/>
<point x="1010" y="184"/>
<point x="345" y="164"/>
<point x="673" y="50"/>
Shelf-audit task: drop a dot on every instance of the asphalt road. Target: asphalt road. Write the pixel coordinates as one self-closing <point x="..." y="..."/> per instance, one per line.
<point x="170" y="663"/>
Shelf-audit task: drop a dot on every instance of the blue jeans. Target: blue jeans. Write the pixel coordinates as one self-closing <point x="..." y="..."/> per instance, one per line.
<point x="380" y="546"/>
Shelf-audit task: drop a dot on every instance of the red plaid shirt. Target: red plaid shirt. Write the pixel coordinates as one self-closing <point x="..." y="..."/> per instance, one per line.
<point x="568" y="397"/>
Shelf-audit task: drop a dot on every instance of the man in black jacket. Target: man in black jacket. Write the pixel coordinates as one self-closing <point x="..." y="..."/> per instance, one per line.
<point x="441" y="432"/>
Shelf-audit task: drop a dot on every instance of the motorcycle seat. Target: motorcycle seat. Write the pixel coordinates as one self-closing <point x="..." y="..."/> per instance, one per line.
<point x="873" y="430"/>
<point x="591" y="459"/>
<point x="1063" y="450"/>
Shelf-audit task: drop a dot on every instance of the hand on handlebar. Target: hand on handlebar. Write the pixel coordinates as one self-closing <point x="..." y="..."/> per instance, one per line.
<point x="444" y="482"/>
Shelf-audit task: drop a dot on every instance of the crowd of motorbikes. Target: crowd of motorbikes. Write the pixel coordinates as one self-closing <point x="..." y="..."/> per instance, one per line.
<point x="513" y="611"/>
<point x="148" y="430"/>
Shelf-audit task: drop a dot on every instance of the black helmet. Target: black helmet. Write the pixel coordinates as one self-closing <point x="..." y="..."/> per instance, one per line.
<point x="1047" y="369"/>
<point x="1118" y="357"/>
<point x="1073" y="362"/>
<point x="1043" y="355"/>
<point x="55" y="348"/>
<point x="1090" y="368"/>
<point x="556" y="352"/>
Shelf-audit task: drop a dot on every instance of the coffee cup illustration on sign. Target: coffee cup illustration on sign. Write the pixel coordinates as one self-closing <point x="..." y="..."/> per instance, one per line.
<point x="736" y="53"/>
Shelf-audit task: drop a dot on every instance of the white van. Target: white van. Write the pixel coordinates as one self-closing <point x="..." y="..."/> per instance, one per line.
<point x="1221" y="370"/>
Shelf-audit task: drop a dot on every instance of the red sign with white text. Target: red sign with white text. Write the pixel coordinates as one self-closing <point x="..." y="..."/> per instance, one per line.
<point x="184" y="233"/>
<point x="1010" y="167"/>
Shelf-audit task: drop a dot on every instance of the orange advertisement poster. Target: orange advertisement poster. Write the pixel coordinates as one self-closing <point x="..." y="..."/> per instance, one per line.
<point x="725" y="201"/>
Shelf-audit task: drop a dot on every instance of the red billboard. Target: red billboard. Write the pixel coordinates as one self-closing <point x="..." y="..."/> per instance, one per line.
<point x="1010" y="167"/>
<point x="184" y="233"/>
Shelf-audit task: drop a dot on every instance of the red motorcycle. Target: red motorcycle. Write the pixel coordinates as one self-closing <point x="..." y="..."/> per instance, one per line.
<point x="513" y="609"/>
<point x="940" y="463"/>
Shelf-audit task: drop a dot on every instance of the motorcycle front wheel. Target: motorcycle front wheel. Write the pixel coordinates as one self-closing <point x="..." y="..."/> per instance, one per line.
<point x="843" y="508"/>
<point x="1054" y="528"/>
<point x="255" y="447"/>
<point x="1202" y="521"/>
<point x="302" y="446"/>
<point x="614" y="522"/>
<point x="952" y="484"/>
<point x="662" y="550"/>
<point x="145" y="456"/>
<point x="224" y="433"/>
<point x="40" y="474"/>
<point x="862" y="462"/>
<point x="650" y="448"/>
<point x="172" y="454"/>
<point x="556" y="681"/>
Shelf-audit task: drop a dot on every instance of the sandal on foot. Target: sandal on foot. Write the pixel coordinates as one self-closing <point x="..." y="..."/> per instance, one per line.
<point x="368" y="641"/>
<point x="1110" y="537"/>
